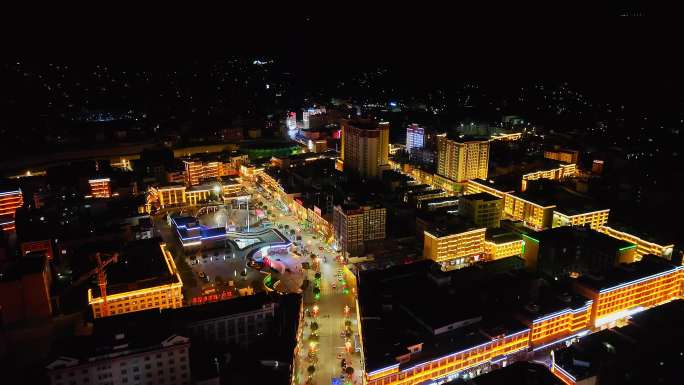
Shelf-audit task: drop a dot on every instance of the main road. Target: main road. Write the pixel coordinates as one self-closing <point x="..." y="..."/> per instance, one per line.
<point x="328" y="311"/>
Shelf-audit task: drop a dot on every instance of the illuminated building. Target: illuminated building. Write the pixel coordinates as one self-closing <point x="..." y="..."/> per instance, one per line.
<point x="574" y="251"/>
<point x="132" y="349"/>
<point x="630" y="289"/>
<point x="10" y="200"/>
<point x="25" y="289"/>
<point x="100" y="188"/>
<point x="647" y="350"/>
<point x="482" y="209"/>
<point x="291" y="120"/>
<point x="454" y="246"/>
<point x="595" y="219"/>
<point x="419" y="196"/>
<point x="597" y="167"/>
<point x="144" y="277"/>
<point x="475" y="186"/>
<point x="643" y="246"/>
<point x="317" y="145"/>
<point x="518" y="373"/>
<point x="365" y="147"/>
<point x="355" y="224"/>
<point x="536" y="215"/>
<point x="176" y="176"/>
<point x="460" y="159"/>
<point x="502" y="244"/>
<point x="507" y="137"/>
<point x="561" y="172"/>
<point x="408" y="337"/>
<point x="193" y="171"/>
<point x="415" y="137"/>
<point x="563" y="155"/>
<point x="230" y="186"/>
<point x="167" y="196"/>
<point x="199" y="194"/>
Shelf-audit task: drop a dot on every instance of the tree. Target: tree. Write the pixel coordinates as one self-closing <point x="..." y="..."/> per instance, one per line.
<point x="318" y="275"/>
<point x="349" y="370"/>
<point x="311" y="370"/>
<point x="314" y="326"/>
<point x="316" y="291"/>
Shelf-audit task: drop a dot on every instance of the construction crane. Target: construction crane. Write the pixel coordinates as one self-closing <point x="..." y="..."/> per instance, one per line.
<point x="101" y="277"/>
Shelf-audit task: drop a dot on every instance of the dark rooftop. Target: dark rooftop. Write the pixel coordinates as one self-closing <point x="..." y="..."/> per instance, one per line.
<point x="220" y="309"/>
<point x="518" y="373"/>
<point x="25" y="265"/>
<point x="480" y="196"/>
<point x="396" y="315"/>
<point x="649" y="265"/>
<point x="141" y="264"/>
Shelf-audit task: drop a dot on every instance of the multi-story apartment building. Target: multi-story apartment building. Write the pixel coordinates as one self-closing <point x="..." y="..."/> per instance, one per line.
<point x="237" y="321"/>
<point x="136" y="350"/>
<point x="143" y="277"/>
<point x="454" y="246"/>
<point x="644" y="246"/>
<point x="415" y="137"/>
<point x="482" y="209"/>
<point x="461" y="159"/>
<point x="471" y="339"/>
<point x="573" y="217"/>
<point x="562" y="155"/>
<point x="556" y="173"/>
<point x="353" y="224"/>
<point x="502" y="244"/>
<point x="365" y="147"/>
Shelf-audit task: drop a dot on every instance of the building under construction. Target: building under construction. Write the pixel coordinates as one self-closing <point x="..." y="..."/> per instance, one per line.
<point x="143" y="276"/>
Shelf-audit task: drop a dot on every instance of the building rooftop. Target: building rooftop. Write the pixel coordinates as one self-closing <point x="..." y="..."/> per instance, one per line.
<point x="141" y="264"/>
<point x="575" y="234"/>
<point x="116" y="335"/>
<point x="648" y="350"/>
<point x="502" y="184"/>
<point x="453" y="225"/>
<point x="480" y="196"/>
<point x="500" y="236"/>
<point x="396" y="315"/>
<point x="441" y="200"/>
<point x="648" y="266"/>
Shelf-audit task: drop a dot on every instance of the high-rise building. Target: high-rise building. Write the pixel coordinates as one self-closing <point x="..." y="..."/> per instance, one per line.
<point x="355" y="224"/>
<point x="415" y="137"/>
<point x="483" y="209"/>
<point x="460" y="159"/>
<point x="11" y="199"/>
<point x="365" y="147"/>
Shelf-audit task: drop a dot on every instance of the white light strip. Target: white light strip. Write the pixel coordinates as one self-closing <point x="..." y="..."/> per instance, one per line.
<point x="580" y="334"/>
<point x="636" y="281"/>
<point x="10" y="193"/>
<point x="570" y="376"/>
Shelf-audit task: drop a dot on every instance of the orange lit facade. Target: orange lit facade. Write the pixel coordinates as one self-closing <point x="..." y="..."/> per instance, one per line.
<point x="565" y="156"/>
<point x="497" y="250"/>
<point x="558" y="173"/>
<point x="533" y="215"/>
<point x="561" y="324"/>
<point x="100" y="188"/>
<point x="643" y="246"/>
<point x="457" y="249"/>
<point x="614" y="303"/>
<point x="10" y="201"/>
<point x="454" y="363"/>
<point x="595" y="219"/>
<point x="163" y="296"/>
<point x="474" y="187"/>
<point x="601" y="308"/>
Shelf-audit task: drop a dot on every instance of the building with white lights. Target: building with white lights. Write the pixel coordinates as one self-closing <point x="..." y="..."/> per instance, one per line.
<point x="100" y="188"/>
<point x="11" y="199"/>
<point x="415" y="137"/>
